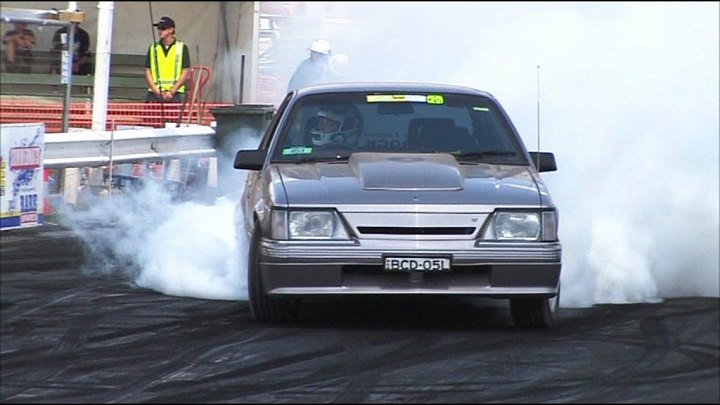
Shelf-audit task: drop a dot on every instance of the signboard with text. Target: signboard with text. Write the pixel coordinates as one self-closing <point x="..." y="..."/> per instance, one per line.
<point x="21" y="175"/>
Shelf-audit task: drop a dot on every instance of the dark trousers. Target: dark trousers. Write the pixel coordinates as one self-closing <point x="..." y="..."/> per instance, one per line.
<point x="23" y="62"/>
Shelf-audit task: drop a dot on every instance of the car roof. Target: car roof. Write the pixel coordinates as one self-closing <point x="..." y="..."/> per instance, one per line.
<point x="389" y="87"/>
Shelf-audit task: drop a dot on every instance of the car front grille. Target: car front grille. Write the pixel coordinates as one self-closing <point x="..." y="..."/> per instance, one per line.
<point x="386" y="230"/>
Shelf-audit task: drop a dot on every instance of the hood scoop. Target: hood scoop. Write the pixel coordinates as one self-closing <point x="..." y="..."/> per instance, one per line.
<point x="407" y="171"/>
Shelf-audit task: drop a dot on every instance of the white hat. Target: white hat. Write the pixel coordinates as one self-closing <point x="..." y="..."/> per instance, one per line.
<point x="320" y="46"/>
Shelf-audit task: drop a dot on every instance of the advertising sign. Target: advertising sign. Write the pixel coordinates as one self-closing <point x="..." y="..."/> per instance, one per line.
<point x="21" y="175"/>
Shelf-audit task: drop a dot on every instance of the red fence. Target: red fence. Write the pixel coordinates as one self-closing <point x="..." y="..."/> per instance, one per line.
<point x="118" y="113"/>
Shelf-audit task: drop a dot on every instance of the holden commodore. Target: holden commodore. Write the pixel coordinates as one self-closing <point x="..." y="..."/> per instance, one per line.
<point x="398" y="189"/>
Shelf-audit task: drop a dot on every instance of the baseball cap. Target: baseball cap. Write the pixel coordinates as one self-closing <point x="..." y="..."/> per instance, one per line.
<point x="165" y="22"/>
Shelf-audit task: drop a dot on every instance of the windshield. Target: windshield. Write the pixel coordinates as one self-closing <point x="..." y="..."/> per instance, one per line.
<point x="333" y="126"/>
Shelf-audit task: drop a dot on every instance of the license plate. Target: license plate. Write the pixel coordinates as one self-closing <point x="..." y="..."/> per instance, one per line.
<point x="417" y="263"/>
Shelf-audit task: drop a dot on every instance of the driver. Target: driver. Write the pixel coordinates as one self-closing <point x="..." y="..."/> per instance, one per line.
<point x="336" y="124"/>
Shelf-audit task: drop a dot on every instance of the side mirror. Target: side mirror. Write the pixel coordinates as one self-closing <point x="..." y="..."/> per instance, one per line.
<point x="250" y="159"/>
<point x="546" y="161"/>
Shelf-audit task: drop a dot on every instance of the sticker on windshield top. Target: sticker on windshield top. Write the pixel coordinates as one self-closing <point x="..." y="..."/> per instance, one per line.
<point x="297" y="150"/>
<point x="396" y="98"/>
<point x="406" y="98"/>
<point x="481" y="109"/>
<point x="435" y="99"/>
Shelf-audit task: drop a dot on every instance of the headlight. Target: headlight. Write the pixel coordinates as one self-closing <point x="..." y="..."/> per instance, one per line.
<point x="516" y="226"/>
<point x="307" y="225"/>
<point x="522" y="226"/>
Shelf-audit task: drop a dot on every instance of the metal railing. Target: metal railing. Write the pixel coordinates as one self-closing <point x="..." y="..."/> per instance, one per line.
<point x="99" y="148"/>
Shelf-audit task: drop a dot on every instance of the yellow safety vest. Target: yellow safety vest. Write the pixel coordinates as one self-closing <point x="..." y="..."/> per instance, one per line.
<point x="167" y="67"/>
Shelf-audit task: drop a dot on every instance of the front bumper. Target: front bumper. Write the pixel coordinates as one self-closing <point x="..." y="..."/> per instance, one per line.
<point x="293" y="268"/>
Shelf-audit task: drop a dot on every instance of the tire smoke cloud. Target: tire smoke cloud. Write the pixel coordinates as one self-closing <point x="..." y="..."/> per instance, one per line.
<point x="629" y="101"/>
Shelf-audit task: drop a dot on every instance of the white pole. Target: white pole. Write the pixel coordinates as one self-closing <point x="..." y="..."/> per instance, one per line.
<point x="102" y="65"/>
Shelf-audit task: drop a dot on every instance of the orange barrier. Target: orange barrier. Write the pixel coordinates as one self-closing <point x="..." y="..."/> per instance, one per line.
<point x="121" y="113"/>
<point x="199" y="76"/>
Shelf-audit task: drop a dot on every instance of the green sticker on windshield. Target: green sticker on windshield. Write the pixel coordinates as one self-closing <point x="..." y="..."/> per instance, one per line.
<point x="297" y="150"/>
<point x="481" y="109"/>
<point x="435" y="99"/>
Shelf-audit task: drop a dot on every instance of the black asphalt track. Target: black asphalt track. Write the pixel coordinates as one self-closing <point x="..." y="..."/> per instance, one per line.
<point x="67" y="337"/>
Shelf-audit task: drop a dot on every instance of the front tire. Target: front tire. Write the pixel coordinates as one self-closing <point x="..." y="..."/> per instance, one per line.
<point x="535" y="312"/>
<point x="263" y="307"/>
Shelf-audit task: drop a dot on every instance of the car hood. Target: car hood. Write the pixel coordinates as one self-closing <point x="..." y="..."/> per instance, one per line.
<point x="397" y="178"/>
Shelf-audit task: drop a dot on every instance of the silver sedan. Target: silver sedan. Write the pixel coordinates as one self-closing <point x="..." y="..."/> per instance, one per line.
<point x="398" y="189"/>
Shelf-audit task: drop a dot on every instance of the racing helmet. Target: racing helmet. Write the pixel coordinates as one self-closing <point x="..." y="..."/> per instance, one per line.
<point x="336" y="124"/>
<point x="321" y="46"/>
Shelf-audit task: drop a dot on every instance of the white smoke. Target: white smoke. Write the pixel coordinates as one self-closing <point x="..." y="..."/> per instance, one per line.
<point x="628" y="103"/>
<point x="188" y="248"/>
<point x="194" y="253"/>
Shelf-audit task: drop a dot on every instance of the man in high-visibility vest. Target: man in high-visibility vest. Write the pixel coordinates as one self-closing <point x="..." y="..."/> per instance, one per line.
<point x="167" y="65"/>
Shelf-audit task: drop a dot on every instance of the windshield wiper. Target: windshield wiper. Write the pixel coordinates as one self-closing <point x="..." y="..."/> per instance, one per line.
<point x="322" y="159"/>
<point x="483" y="155"/>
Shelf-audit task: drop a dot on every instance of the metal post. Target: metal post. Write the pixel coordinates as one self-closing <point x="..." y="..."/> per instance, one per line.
<point x="68" y="84"/>
<point x="110" y="164"/>
<point x="71" y="175"/>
